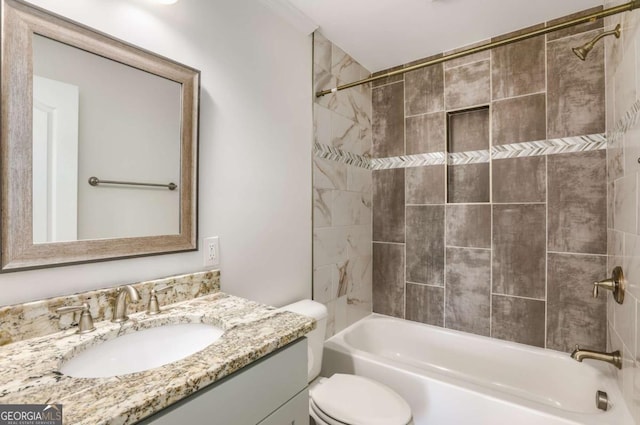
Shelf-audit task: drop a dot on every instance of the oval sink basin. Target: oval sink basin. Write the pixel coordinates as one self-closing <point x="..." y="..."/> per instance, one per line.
<point x="141" y="350"/>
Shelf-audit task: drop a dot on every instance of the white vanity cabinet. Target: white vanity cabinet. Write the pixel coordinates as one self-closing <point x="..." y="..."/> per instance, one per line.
<point x="270" y="391"/>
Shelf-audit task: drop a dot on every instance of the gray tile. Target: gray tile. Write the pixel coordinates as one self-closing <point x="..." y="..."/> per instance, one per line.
<point x="387" y="80"/>
<point x="388" y="279"/>
<point x="468" y="130"/>
<point x="519" y="180"/>
<point x="520" y="119"/>
<point x="518" y="320"/>
<point x="388" y="205"/>
<point x="425" y="244"/>
<point x="575" y="92"/>
<point x="425" y="185"/>
<point x="468" y="290"/>
<point x="573" y="315"/>
<point x="577" y="202"/>
<point x="467" y="85"/>
<point x="424" y="90"/>
<point x="518" y="68"/>
<point x="465" y="60"/>
<point x="426" y="133"/>
<point x="425" y="304"/>
<point x="388" y="120"/>
<point x="469" y="226"/>
<point x="519" y="250"/>
<point x="468" y="183"/>
<point x="577" y="29"/>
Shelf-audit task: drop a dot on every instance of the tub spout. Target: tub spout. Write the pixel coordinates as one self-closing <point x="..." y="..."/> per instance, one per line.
<point x="614" y="357"/>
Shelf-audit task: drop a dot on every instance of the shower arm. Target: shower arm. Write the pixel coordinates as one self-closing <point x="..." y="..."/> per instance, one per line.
<point x="626" y="7"/>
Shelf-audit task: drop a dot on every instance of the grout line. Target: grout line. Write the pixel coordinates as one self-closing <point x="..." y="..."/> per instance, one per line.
<point x="446" y="198"/>
<point x="546" y="190"/>
<point x="432" y="285"/>
<point x="517" y="296"/>
<point x="520" y="95"/>
<point x="467" y="63"/>
<point x="575" y="253"/>
<point x="467" y="247"/>
<point x="491" y="200"/>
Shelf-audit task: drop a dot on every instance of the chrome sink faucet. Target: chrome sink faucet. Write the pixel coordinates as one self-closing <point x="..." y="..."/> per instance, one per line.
<point x="614" y="357"/>
<point x="120" y="305"/>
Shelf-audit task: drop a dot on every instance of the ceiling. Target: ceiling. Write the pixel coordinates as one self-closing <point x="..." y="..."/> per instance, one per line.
<point x="381" y="34"/>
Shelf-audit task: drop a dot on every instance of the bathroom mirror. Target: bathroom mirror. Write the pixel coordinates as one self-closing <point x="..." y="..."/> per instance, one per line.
<point x="98" y="145"/>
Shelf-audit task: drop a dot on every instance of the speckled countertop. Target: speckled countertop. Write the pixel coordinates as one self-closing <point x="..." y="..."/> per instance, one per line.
<point x="29" y="368"/>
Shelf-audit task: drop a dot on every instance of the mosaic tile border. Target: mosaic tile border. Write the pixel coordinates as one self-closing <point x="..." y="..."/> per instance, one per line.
<point x="587" y="143"/>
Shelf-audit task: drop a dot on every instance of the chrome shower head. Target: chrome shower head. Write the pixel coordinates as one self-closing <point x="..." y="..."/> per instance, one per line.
<point x="584" y="50"/>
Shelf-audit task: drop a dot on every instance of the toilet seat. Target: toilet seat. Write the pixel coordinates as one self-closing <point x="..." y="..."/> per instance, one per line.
<point x="351" y="399"/>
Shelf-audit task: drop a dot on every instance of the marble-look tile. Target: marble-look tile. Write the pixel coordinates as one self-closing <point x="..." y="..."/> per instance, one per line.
<point x="624" y="84"/>
<point x="625" y="207"/>
<point x="575" y="91"/>
<point x="519" y="179"/>
<point x="518" y="320"/>
<point x="589" y="26"/>
<point x="365" y="142"/>
<point x="610" y="202"/>
<point x="345" y="134"/>
<point x="359" y="288"/>
<point x="358" y="240"/>
<point x="573" y="315"/>
<point x="425" y="304"/>
<point x="329" y="174"/>
<point x="616" y="160"/>
<point x="425" y="244"/>
<point x="359" y="180"/>
<point x="520" y="119"/>
<point x="388" y="120"/>
<point x="468" y="290"/>
<point x="624" y="317"/>
<point x="340" y="314"/>
<point x="468" y="130"/>
<point x="631" y="144"/>
<point x="322" y="207"/>
<point x="329" y="246"/>
<point x="388" y="205"/>
<point x="465" y="60"/>
<point x="519" y="268"/>
<point x="469" y="226"/>
<point x="321" y="51"/>
<point x="343" y="67"/>
<point x="629" y="252"/>
<point x="424" y="90"/>
<point x="388" y="279"/>
<point x="468" y="85"/>
<point x="425" y="185"/>
<point x="518" y="68"/>
<point x="323" y="80"/>
<point x="577" y="202"/>
<point x="350" y="208"/>
<point x="324" y="283"/>
<point x="321" y="124"/>
<point x="426" y="133"/>
<point x="468" y="183"/>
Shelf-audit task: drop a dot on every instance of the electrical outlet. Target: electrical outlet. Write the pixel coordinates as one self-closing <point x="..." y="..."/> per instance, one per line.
<point x="211" y="249"/>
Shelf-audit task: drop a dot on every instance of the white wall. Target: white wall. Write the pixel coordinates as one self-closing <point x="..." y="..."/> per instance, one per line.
<point x="255" y="150"/>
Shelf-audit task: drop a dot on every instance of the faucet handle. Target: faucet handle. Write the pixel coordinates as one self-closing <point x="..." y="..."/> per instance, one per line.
<point x="86" y="321"/>
<point x="154" y="305"/>
<point x="614" y="284"/>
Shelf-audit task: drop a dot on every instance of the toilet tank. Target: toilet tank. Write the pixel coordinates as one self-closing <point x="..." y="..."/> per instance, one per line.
<point x="315" y="338"/>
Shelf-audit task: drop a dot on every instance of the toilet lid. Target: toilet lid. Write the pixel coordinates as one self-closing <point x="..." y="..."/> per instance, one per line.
<point x="358" y="400"/>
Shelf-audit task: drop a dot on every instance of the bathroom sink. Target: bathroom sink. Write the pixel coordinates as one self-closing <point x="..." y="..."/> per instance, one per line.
<point x="141" y="350"/>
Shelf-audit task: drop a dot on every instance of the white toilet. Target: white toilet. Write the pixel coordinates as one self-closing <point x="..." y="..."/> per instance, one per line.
<point x="346" y="399"/>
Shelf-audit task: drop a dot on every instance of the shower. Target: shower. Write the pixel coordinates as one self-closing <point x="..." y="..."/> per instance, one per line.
<point x="584" y="50"/>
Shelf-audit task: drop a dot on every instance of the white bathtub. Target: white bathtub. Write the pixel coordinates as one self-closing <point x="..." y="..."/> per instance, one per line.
<point x="452" y="378"/>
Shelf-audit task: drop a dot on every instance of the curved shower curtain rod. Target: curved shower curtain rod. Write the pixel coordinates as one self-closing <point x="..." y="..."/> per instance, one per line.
<point x="627" y="7"/>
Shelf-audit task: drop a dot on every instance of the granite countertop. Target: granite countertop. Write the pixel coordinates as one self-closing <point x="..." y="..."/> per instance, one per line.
<point x="252" y="330"/>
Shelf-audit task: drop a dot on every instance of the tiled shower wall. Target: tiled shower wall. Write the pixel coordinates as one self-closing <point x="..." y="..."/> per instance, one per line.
<point x="519" y="267"/>
<point x="623" y="167"/>
<point x="341" y="189"/>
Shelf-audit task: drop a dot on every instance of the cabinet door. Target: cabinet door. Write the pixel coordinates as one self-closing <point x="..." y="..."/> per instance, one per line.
<point x="247" y="396"/>
<point x="294" y="412"/>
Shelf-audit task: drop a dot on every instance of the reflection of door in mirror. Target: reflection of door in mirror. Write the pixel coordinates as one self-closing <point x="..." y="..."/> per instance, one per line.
<point x="55" y="146"/>
<point x="129" y="129"/>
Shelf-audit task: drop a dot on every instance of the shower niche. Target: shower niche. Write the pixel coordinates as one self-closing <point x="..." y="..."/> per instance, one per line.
<point x="468" y="156"/>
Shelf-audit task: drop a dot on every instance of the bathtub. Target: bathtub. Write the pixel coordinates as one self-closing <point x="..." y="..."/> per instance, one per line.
<point x="452" y="378"/>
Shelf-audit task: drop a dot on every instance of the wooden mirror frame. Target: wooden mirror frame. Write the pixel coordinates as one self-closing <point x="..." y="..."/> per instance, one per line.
<point x="19" y="22"/>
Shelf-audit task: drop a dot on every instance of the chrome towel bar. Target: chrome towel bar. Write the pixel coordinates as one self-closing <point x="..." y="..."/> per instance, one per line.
<point x="94" y="181"/>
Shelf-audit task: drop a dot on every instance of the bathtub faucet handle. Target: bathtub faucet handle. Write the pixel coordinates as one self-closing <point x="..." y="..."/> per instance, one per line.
<point x="615" y="284"/>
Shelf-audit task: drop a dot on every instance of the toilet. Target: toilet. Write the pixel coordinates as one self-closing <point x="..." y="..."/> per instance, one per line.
<point x="345" y="399"/>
